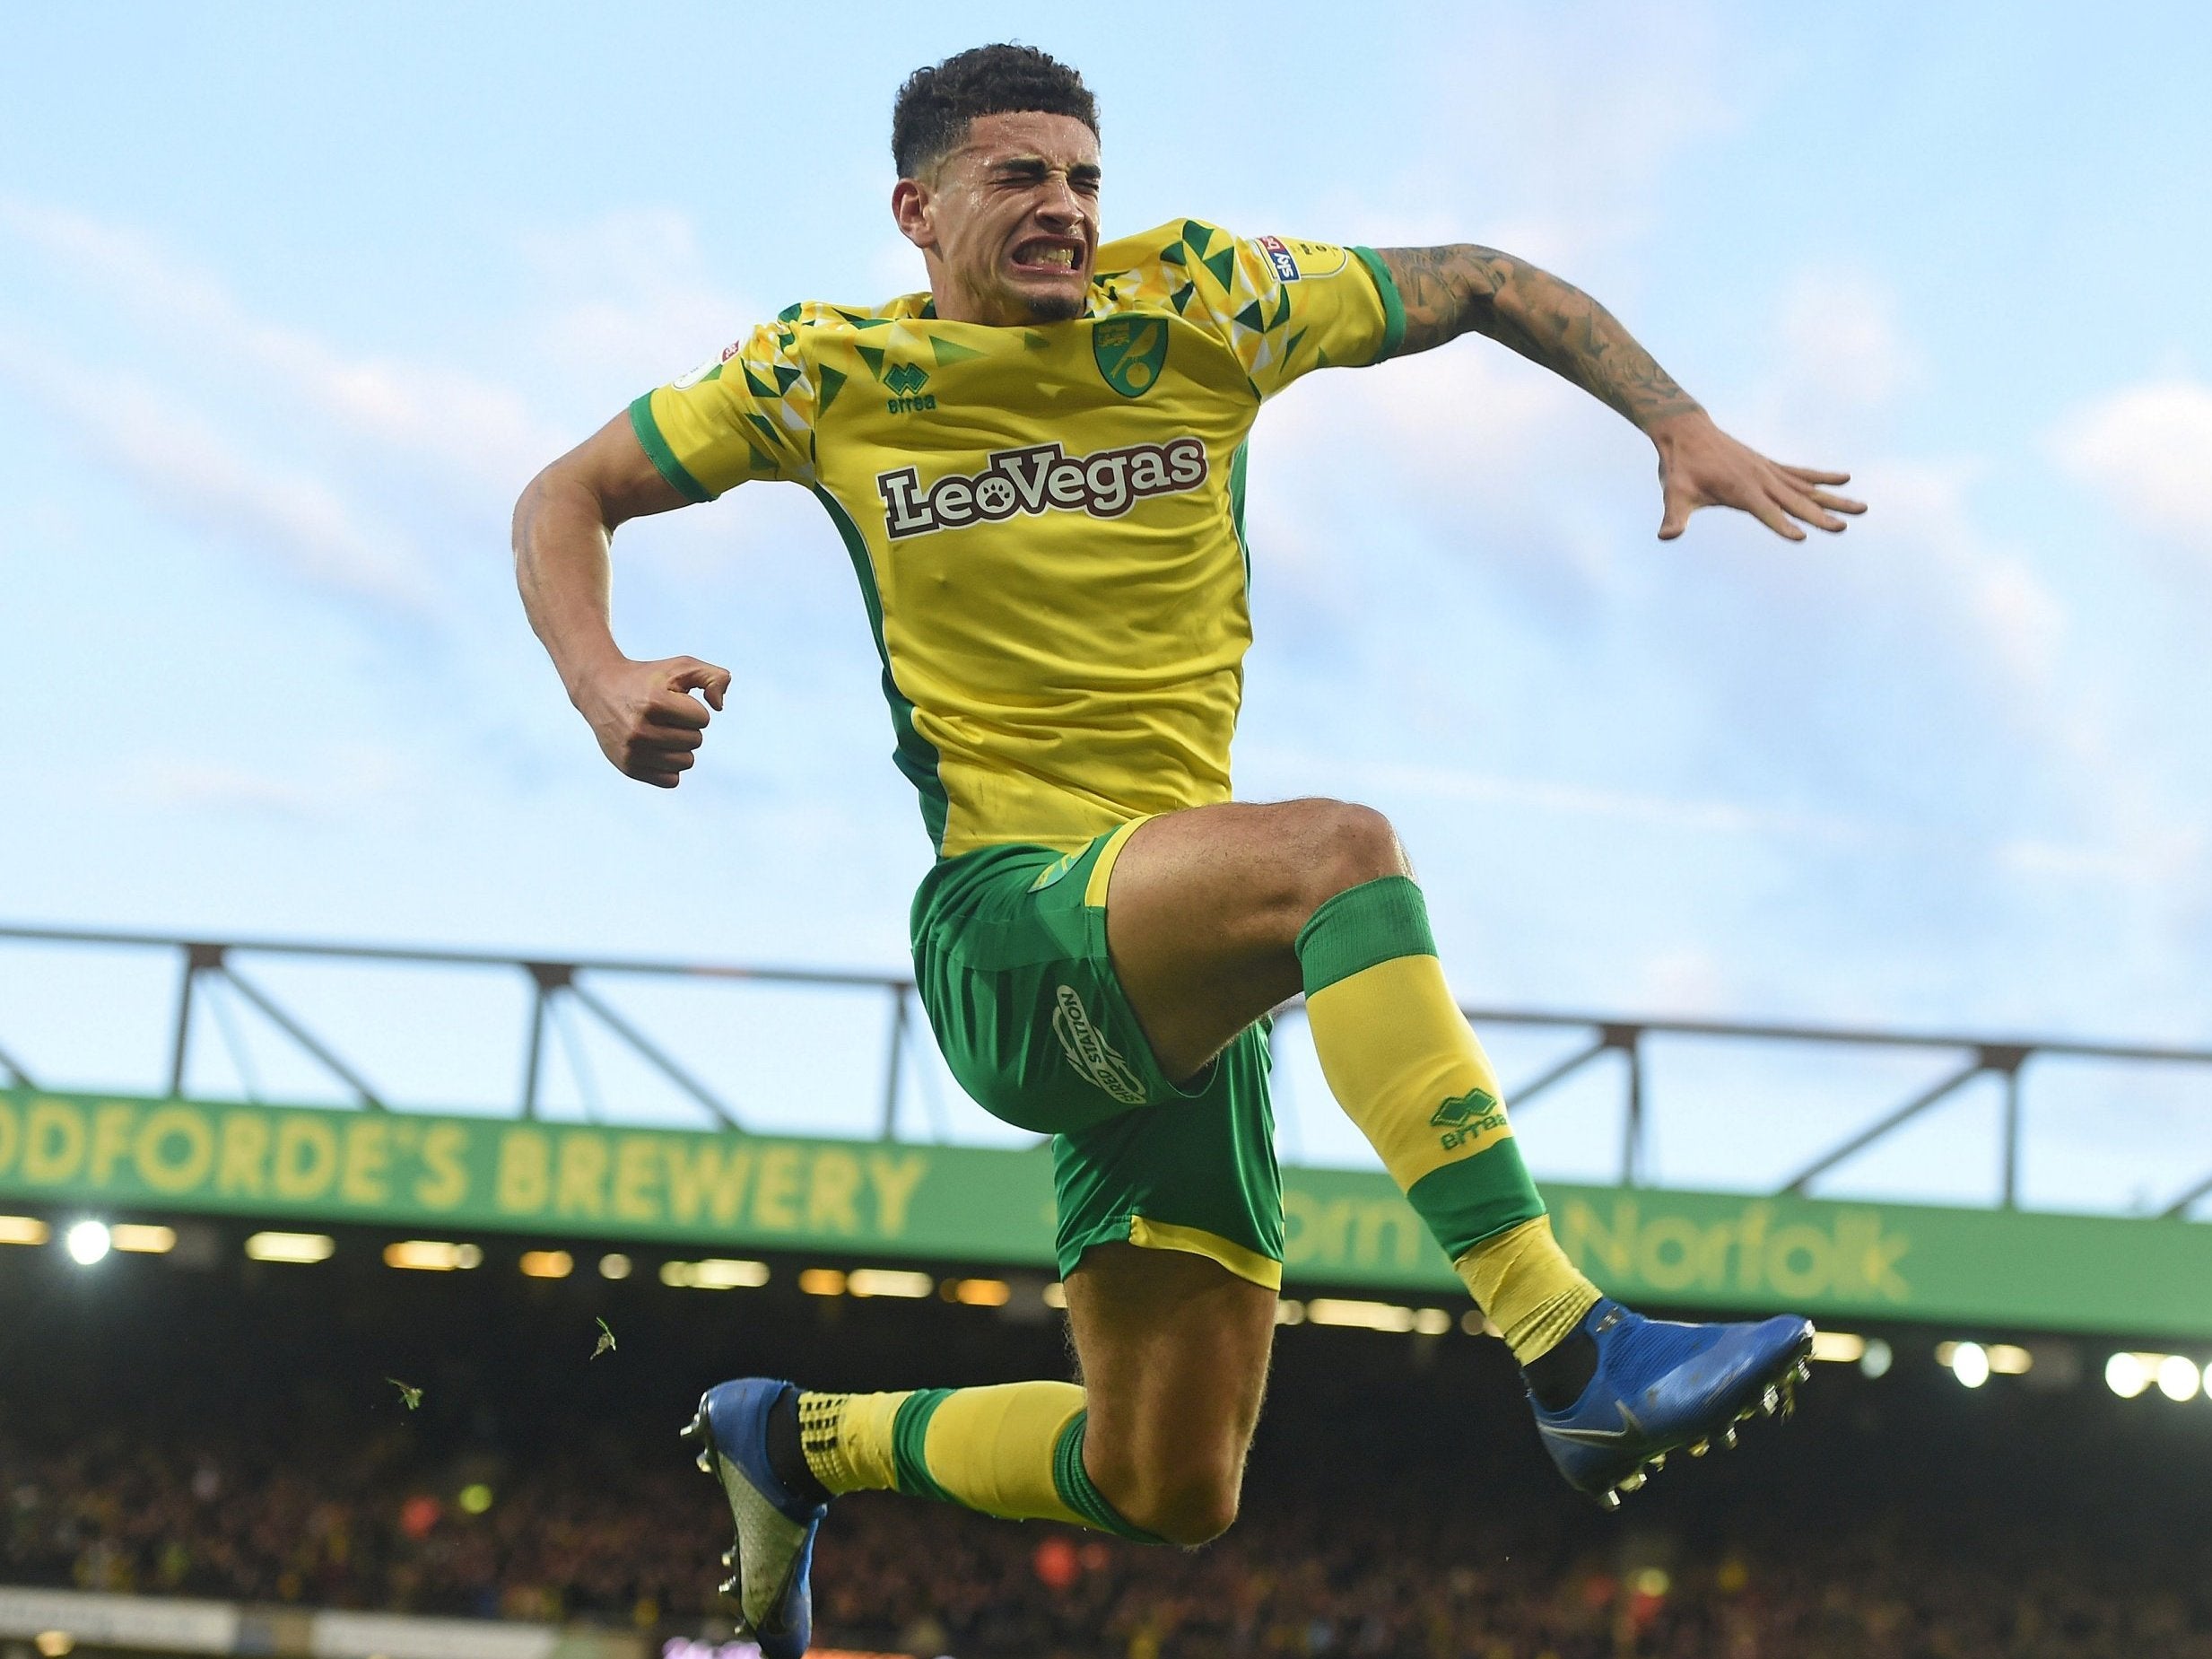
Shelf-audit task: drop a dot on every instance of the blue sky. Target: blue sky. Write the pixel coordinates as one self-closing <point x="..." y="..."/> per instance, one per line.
<point x="292" y="301"/>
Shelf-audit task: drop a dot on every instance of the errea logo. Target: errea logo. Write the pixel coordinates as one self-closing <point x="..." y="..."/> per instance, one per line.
<point x="1040" y="479"/>
<point x="906" y="381"/>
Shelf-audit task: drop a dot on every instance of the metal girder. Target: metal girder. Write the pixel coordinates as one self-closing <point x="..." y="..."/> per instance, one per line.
<point x="300" y="1035"/>
<point x="656" y="1056"/>
<point x="2004" y="1059"/>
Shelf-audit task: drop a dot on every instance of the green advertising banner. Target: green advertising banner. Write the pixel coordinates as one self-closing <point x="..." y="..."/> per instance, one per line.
<point x="444" y="1175"/>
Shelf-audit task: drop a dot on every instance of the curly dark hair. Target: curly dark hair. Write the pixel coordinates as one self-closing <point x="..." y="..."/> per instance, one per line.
<point x="934" y="108"/>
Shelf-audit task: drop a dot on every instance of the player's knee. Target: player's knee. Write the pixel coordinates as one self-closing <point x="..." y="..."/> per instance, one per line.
<point x="1351" y="844"/>
<point x="1189" y="1506"/>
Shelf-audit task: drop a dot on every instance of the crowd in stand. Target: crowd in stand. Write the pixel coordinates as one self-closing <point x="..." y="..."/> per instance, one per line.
<point x="1369" y="1571"/>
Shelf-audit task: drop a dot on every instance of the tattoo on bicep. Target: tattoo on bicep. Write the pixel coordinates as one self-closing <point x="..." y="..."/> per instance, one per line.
<point x="1448" y="291"/>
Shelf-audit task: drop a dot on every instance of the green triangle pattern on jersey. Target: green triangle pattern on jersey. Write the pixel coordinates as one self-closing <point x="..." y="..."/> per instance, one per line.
<point x="786" y="376"/>
<point x="869" y="322"/>
<point x="1290" y="352"/>
<point x="758" y="386"/>
<point x="1198" y="236"/>
<point x="790" y="313"/>
<point x="1253" y="318"/>
<point x="1032" y="340"/>
<point x="872" y="355"/>
<point x="833" y="383"/>
<point x="948" y="353"/>
<point x="1223" y="265"/>
<point x="1172" y="254"/>
<point x="1180" y="299"/>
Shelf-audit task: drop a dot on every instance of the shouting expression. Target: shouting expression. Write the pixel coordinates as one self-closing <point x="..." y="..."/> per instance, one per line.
<point x="1007" y="223"/>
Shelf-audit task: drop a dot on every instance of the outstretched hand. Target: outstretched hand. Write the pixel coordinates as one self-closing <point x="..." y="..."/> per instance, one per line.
<point x="646" y="721"/>
<point x="1701" y="465"/>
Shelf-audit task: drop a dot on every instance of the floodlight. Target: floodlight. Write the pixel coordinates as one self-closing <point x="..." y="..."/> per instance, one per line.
<point x="1970" y="1363"/>
<point x="614" y="1265"/>
<point x="2126" y="1376"/>
<point x="299" y="1248"/>
<point x="1878" y="1358"/>
<point x="87" y="1242"/>
<point x="2179" y="1378"/>
<point x="433" y="1255"/>
<point x="1841" y="1346"/>
<point x="884" y="1281"/>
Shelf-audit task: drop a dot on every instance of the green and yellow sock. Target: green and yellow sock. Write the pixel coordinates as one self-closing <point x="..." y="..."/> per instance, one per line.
<point x="1014" y="1450"/>
<point x="1405" y="1067"/>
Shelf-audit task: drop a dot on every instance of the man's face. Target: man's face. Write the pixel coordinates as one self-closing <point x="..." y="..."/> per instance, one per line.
<point x="1008" y="222"/>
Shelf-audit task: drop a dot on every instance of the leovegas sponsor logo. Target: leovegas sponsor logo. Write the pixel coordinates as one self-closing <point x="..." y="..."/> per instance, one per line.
<point x="1039" y="479"/>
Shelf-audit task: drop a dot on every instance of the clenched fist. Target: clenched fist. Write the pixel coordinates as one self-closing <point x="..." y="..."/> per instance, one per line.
<point x="645" y="717"/>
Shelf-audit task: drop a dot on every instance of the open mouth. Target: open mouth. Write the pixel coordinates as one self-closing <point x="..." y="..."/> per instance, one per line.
<point x="1047" y="253"/>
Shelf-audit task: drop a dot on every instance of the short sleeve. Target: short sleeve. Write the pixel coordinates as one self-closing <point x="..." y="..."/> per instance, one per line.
<point x="1287" y="306"/>
<point x="748" y="413"/>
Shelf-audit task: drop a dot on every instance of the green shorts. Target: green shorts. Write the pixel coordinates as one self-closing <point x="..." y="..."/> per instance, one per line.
<point x="1010" y="959"/>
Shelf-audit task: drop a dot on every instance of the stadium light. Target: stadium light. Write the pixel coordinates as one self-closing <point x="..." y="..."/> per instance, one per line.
<point x="143" y="1240"/>
<point x="2126" y="1376"/>
<point x="1431" y="1321"/>
<point x="2179" y="1378"/>
<point x="54" y="1643"/>
<point x="978" y="1292"/>
<point x="884" y="1281"/>
<point x="1361" y="1315"/>
<point x="1290" y="1312"/>
<point x="1055" y="1295"/>
<point x="475" y="1498"/>
<point x="88" y="1241"/>
<point x="1878" y="1358"/>
<point x="547" y="1263"/>
<point x="431" y="1255"/>
<point x="1839" y="1347"/>
<point x="614" y="1265"/>
<point x="821" y="1281"/>
<point x="298" y="1247"/>
<point x="23" y="1230"/>
<point x="715" y="1273"/>
<point x="1969" y="1362"/>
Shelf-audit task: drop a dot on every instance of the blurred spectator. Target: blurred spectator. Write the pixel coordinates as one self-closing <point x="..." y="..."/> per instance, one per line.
<point x="1394" y="1569"/>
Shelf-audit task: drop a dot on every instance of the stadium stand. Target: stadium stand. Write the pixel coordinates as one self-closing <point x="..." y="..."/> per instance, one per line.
<point x="236" y="1433"/>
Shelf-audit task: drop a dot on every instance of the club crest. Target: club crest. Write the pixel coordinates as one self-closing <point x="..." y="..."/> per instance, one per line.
<point x="1129" y="351"/>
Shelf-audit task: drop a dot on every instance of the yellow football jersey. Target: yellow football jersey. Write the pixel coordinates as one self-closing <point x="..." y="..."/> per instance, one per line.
<point x="1047" y="521"/>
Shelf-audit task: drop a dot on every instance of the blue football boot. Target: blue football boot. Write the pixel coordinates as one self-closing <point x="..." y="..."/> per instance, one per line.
<point x="1660" y="1386"/>
<point x="774" y="1553"/>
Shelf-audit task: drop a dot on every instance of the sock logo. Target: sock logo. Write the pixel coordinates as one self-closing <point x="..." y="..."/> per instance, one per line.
<point x="1090" y="1053"/>
<point x="1463" y="1117"/>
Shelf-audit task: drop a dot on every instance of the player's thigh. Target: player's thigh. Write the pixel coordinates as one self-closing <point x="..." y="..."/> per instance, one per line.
<point x="1205" y="905"/>
<point x="1175" y="1352"/>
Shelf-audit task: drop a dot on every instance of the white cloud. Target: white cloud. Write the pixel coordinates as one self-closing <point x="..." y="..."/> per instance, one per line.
<point x="452" y="423"/>
<point x="329" y="788"/>
<point x="1841" y="339"/>
<point x="2148" y="450"/>
<point x="632" y="300"/>
<point x="184" y="465"/>
<point x="1550" y="136"/>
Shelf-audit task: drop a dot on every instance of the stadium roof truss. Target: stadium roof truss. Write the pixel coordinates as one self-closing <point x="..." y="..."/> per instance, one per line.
<point x="557" y="989"/>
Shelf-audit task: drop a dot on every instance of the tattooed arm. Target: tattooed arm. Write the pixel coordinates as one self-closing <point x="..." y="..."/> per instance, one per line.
<point x="1449" y="292"/>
